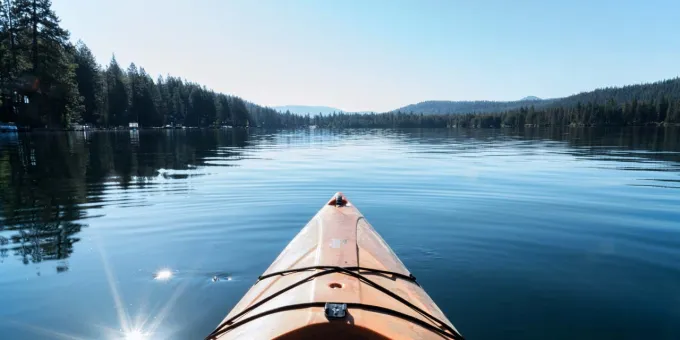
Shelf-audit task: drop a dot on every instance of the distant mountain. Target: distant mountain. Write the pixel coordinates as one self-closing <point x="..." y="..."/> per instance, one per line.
<point x="610" y="95"/>
<point x="649" y="104"/>
<point x="304" y="109"/>
<point x="478" y="106"/>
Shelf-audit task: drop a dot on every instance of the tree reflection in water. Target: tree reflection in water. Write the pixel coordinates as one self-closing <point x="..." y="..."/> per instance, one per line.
<point x="51" y="182"/>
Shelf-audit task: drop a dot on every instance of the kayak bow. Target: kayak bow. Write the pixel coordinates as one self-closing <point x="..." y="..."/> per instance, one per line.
<point x="336" y="279"/>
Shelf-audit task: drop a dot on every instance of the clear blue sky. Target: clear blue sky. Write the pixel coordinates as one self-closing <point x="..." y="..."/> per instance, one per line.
<point x="380" y="55"/>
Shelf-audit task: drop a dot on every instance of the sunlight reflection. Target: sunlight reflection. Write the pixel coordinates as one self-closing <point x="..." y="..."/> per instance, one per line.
<point x="163" y="274"/>
<point x="144" y="326"/>
<point x="136" y="335"/>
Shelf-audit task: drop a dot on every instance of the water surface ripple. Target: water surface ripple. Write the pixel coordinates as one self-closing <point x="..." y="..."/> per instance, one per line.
<point x="536" y="234"/>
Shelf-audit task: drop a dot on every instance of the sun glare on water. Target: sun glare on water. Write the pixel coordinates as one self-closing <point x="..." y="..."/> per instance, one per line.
<point x="135" y="335"/>
<point x="163" y="274"/>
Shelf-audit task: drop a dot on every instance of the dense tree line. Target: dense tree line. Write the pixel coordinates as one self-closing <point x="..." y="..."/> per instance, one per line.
<point x="670" y="89"/>
<point x="37" y="73"/>
<point x="45" y="80"/>
<point x="639" y="105"/>
<point x="265" y="116"/>
<point x="653" y="92"/>
<point x="636" y="112"/>
<point x="116" y="97"/>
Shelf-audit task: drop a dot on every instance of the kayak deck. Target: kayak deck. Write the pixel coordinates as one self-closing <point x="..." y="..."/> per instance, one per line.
<point x="336" y="258"/>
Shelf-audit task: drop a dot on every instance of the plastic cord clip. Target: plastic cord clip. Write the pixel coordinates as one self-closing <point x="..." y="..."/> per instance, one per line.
<point x="335" y="310"/>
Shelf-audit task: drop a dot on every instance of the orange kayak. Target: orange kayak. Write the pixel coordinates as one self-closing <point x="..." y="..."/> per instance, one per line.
<point x="337" y="279"/>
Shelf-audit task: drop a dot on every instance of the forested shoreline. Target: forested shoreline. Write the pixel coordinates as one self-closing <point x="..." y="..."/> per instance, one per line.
<point x="47" y="81"/>
<point x="634" y="105"/>
<point x="634" y="113"/>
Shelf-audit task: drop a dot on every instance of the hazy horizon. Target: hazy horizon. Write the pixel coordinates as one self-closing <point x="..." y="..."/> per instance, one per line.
<point x="380" y="55"/>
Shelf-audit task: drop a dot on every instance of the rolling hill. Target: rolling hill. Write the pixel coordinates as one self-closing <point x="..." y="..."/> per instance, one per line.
<point x="642" y="92"/>
<point x="478" y="106"/>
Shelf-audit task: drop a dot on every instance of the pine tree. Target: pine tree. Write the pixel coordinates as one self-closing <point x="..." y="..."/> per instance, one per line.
<point x="117" y="94"/>
<point x="147" y="96"/>
<point x="223" y="109"/>
<point x="163" y="100"/>
<point x="661" y="109"/>
<point x="53" y="93"/>
<point x="90" y="84"/>
<point x="134" y="95"/>
<point x="673" y="113"/>
<point x="7" y="113"/>
<point x="239" y="112"/>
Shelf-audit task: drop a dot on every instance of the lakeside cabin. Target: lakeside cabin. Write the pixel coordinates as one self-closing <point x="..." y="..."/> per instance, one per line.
<point x="134" y="126"/>
<point x="9" y="127"/>
<point x="79" y="127"/>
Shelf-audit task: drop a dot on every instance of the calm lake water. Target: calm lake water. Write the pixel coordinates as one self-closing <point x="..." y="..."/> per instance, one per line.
<point x="540" y="234"/>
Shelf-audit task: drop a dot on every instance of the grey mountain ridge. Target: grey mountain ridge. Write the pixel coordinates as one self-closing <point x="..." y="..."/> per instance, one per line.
<point x="312" y="110"/>
<point x="426" y="107"/>
<point x="305" y="109"/>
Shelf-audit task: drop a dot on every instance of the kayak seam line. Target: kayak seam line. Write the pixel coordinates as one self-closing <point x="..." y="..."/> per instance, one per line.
<point x="331" y="270"/>
<point x="360" y="289"/>
<point x="409" y="277"/>
<point x="352" y="305"/>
